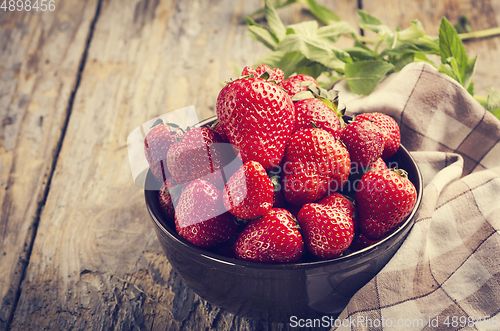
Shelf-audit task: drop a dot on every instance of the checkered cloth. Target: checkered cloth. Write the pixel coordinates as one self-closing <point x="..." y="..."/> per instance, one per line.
<point x="446" y="275"/>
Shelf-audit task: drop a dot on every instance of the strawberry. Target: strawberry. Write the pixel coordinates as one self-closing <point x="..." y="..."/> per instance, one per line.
<point x="217" y="127"/>
<point x="200" y="217"/>
<point x="200" y="153"/>
<point x="297" y="83"/>
<point x="273" y="75"/>
<point x="365" y="142"/>
<point x="342" y="203"/>
<point x="258" y="118"/>
<point x="274" y="238"/>
<point x="314" y="160"/>
<point x="389" y="128"/>
<point x="378" y="164"/>
<point x="360" y="242"/>
<point x="156" y="146"/>
<point x="316" y="111"/>
<point x="384" y="198"/>
<point x="327" y="231"/>
<point x="249" y="191"/>
<point x="169" y="196"/>
<point x="278" y="196"/>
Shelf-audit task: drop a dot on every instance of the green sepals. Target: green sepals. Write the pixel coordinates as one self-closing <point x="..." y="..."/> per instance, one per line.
<point x="157" y="122"/>
<point x="302" y="95"/>
<point x="242" y="221"/>
<point x="294" y="220"/>
<point x="330" y="98"/>
<point x="314" y="125"/>
<point x="401" y="173"/>
<point x="265" y="75"/>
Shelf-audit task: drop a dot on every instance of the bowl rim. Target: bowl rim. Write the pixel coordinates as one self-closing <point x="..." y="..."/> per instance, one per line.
<point x="285" y="266"/>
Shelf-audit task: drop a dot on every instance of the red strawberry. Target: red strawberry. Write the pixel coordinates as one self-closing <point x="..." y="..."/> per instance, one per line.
<point x="378" y="164"/>
<point x="342" y="203"/>
<point x="217" y="127"/>
<point x="258" y="118"/>
<point x="273" y="75"/>
<point x="361" y="242"/>
<point x="365" y="142"/>
<point x="156" y="146"/>
<point x="390" y="129"/>
<point x="278" y="196"/>
<point x="249" y="191"/>
<point x="384" y="198"/>
<point x="295" y="84"/>
<point x="316" y="111"/>
<point x="314" y="160"/>
<point x="200" y="217"/>
<point x="200" y="153"/>
<point x="273" y="238"/>
<point x="168" y="196"/>
<point x="327" y="231"/>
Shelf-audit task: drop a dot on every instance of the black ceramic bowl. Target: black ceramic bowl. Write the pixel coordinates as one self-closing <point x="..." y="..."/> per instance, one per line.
<point x="278" y="292"/>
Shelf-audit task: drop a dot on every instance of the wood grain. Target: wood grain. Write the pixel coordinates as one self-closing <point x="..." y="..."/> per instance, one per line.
<point x="482" y="14"/>
<point x="40" y="55"/>
<point x="96" y="263"/>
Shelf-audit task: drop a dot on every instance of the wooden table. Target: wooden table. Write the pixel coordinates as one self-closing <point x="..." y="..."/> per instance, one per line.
<point x="78" y="250"/>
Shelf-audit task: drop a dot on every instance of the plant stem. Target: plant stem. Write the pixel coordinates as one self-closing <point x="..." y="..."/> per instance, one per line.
<point x="480" y="99"/>
<point x="480" y="34"/>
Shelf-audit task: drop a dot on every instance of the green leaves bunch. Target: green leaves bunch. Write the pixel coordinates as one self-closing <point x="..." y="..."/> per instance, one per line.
<point x="310" y="48"/>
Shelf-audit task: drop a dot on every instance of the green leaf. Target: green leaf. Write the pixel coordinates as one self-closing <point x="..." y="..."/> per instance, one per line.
<point x="451" y="46"/>
<point x="322" y="13"/>
<point x="469" y="71"/>
<point x="415" y="31"/>
<point x="421" y="57"/>
<point x="312" y="69"/>
<point x="360" y="53"/>
<point x="493" y="101"/>
<point x="401" y="60"/>
<point x="451" y="69"/>
<point x="274" y="21"/>
<point x="262" y="34"/>
<point x="367" y="21"/>
<point x="362" y="77"/>
<point x="315" y="50"/>
<point x="335" y="29"/>
<point x="272" y="59"/>
<point x="308" y="28"/>
<point x="470" y="88"/>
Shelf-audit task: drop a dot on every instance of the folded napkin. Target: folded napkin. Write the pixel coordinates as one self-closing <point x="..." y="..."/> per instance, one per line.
<point x="446" y="275"/>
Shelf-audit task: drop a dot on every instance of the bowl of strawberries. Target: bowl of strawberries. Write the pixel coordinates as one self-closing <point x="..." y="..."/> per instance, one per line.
<point x="279" y="206"/>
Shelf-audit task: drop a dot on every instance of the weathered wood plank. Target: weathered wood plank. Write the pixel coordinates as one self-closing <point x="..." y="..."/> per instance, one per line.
<point x="95" y="241"/>
<point x="40" y="55"/>
<point x="482" y="14"/>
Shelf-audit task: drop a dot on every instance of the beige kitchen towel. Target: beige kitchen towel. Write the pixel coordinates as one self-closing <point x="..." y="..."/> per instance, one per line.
<point x="446" y="275"/>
